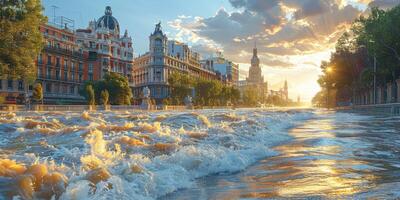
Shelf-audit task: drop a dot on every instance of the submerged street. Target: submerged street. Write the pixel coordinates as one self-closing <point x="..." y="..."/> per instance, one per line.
<point x="200" y="154"/>
<point x="332" y="155"/>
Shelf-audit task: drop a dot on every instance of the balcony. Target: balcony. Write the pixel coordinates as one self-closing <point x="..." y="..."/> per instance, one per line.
<point x="63" y="51"/>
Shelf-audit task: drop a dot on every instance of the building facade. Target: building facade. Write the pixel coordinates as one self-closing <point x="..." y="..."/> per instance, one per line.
<point x="255" y="78"/>
<point x="226" y="70"/>
<point x="106" y="50"/>
<point x="60" y="69"/>
<point x="70" y="58"/>
<point x="164" y="58"/>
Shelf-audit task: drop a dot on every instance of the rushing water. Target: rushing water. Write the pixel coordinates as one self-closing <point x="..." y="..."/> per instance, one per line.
<point x="332" y="155"/>
<point x="209" y="154"/>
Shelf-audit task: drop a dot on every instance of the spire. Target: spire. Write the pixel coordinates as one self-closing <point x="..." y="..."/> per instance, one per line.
<point x="286" y="85"/>
<point x="255" y="49"/>
<point x="126" y="33"/>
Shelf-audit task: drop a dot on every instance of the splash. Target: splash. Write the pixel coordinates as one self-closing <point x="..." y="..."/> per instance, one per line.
<point x="151" y="128"/>
<point x="204" y="119"/>
<point x="108" y="155"/>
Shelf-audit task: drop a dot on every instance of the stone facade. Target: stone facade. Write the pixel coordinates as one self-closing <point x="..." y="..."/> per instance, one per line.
<point x="165" y="57"/>
<point x="107" y="50"/>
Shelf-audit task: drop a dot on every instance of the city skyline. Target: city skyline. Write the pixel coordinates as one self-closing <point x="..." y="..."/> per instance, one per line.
<point x="281" y="41"/>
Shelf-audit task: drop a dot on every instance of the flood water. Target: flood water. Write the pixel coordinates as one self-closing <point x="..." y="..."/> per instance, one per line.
<point x="332" y="155"/>
<point x="207" y="154"/>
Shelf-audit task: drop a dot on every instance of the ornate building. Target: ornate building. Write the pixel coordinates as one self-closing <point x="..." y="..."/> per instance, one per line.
<point x="165" y="57"/>
<point x="106" y="50"/>
<point x="69" y="58"/>
<point x="255" y="78"/>
<point x="255" y="73"/>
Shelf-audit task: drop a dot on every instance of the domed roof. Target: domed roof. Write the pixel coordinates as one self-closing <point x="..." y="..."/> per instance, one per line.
<point x="108" y="21"/>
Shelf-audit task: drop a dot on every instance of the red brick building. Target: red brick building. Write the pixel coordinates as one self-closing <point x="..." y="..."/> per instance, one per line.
<point x="70" y="58"/>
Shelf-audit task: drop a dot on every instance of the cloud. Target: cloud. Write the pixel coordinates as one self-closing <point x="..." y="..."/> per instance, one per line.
<point x="384" y="4"/>
<point x="280" y="28"/>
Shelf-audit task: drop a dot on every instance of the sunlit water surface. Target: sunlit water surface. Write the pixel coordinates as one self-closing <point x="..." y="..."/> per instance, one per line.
<point x="209" y="154"/>
<point x="331" y="156"/>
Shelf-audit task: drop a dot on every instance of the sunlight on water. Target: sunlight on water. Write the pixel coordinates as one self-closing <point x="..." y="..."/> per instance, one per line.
<point x="104" y="155"/>
<point x="332" y="155"/>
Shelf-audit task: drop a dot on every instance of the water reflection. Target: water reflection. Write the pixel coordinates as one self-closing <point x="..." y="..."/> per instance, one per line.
<point x="334" y="155"/>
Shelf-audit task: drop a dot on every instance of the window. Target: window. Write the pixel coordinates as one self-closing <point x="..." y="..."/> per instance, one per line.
<point x="73" y="76"/>
<point x="30" y="87"/>
<point x="57" y="62"/>
<point x="72" y="90"/>
<point x="58" y="74"/>
<point x="49" y="60"/>
<point x="1" y="84"/>
<point x="80" y="66"/>
<point x="65" y="75"/>
<point x="40" y="59"/>
<point x="48" y="87"/>
<point x="90" y="77"/>
<point x="90" y="67"/>
<point x="80" y="77"/>
<point x="10" y="84"/>
<point x="48" y="73"/>
<point x="65" y="64"/>
<point x="20" y="86"/>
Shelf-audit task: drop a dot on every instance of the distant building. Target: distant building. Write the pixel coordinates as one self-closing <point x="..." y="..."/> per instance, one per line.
<point x="255" y="73"/>
<point x="165" y="57"/>
<point x="226" y="70"/>
<point x="283" y="93"/>
<point x="255" y="78"/>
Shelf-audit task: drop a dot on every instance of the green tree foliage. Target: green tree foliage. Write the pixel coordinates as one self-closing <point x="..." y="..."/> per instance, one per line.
<point x="207" y="92"/>
<point x="180" y="87"/>
<point x="20" y="38"/>
<point x="37" y="93"/>
<point x="352" y="63"/>
<point x="250" y="96"/>
<point x="117" y="86"/>
<point x="90" y="95"/>
<point x="104" y="97"/>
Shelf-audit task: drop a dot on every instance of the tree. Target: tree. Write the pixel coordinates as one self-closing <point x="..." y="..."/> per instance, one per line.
<point x="180" y="87"/>
<point x="37" y="93"/>
<point x="250" y="96"/>
<point x="90" y="95"/>
<point x="104" y="97"/>
<point x="20" y="38"/>
<point x="117" y="86"/>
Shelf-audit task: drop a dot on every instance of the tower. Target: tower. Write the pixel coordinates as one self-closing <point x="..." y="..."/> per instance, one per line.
<point x="158" y="41"/>
<point x="286" y="90"/>
<point x="255" y="76"/>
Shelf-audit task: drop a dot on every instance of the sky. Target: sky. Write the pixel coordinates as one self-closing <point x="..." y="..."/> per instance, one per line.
<point x="292" y="36"/>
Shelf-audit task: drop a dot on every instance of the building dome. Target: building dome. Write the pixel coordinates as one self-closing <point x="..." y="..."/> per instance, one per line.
<point x="108" y="21"/>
